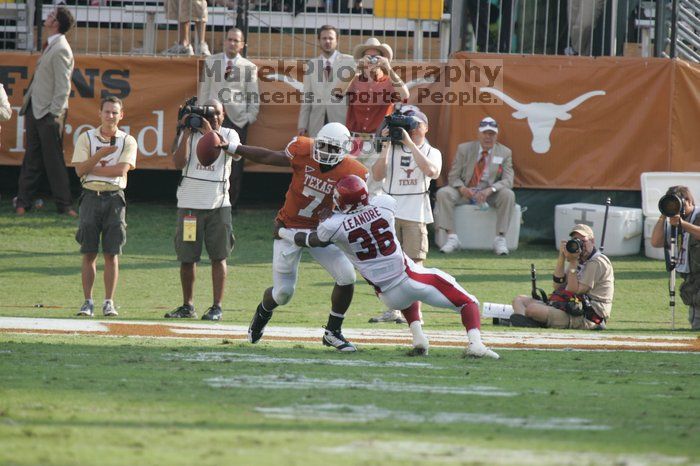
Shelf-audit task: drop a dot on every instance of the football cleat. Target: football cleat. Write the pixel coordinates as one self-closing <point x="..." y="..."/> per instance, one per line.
<point x="336" y="339"/>
<point x="257" y="325"/>
<point x="480" y="351"/>
<point x="418" y="351"/>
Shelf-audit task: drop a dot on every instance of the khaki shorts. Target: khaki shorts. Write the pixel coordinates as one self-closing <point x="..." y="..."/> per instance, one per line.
<point x="413" y="237"/>
<point x="557" y="318"/>
<point x="186" y="10"/>
<point x="102" y="216"/>
<point x="214" y="229"/>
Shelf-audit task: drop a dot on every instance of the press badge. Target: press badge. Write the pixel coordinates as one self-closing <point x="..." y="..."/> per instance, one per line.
<point x="189" y="230"/>
<point x="498" y="160"/>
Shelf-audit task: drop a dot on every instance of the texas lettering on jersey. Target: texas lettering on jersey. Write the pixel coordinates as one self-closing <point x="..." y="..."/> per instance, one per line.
<point x="310" y="195"/>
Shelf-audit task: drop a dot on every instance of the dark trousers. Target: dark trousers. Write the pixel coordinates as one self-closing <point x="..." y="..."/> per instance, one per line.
<point x="44" y="154"/>
<point x="236" y="166"/>
<point x="481" y="14"/>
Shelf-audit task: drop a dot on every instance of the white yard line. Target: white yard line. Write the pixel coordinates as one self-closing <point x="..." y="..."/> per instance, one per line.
<point x="380" y="335"/>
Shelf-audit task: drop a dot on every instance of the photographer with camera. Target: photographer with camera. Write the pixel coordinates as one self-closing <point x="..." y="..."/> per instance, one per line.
<point x="482" y="172"/>
<point x="372" y="93"/>
<point x="583" y="288"/>
<point x="405" y="168"/>
<point x="203" y="204"/>
<point x="679" y="222"/>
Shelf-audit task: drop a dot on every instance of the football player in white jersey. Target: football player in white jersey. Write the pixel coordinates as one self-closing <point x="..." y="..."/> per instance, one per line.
<point x="364" y="231"/>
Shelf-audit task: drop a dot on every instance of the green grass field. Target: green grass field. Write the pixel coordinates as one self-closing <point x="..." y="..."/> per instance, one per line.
<point x="79" y="400"/>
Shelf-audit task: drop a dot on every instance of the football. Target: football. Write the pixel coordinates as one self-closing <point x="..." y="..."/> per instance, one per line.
<point x="207" y="148"/>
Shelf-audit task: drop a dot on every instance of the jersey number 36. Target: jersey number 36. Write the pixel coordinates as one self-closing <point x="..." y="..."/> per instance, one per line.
<point x="379" y="237"/>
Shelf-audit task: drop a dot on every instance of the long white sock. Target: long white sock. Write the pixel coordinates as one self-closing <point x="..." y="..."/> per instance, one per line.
<point x="474" y="336"/>
<point x="418" y="335"/>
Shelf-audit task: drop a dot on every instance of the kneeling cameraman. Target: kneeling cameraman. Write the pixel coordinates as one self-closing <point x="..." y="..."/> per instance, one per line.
<point x="684" y="221"/>
<point x="583" y="289"/>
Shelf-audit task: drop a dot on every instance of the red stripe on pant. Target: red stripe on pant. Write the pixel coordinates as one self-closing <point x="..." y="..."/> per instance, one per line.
<point x="469" y="311"/>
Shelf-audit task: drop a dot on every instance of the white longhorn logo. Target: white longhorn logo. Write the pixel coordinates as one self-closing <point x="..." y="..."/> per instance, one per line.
<point x="541" y="116"/>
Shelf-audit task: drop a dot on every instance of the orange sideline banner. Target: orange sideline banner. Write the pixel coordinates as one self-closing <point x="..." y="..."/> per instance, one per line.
<point x="572" y="122"/>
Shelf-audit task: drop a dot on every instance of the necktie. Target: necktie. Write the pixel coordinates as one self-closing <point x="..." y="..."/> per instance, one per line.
<point x="478" y="170"/>
<point x="44" y="45"/>
<point x="229" y="69"/>
<point x="327" y="70"/>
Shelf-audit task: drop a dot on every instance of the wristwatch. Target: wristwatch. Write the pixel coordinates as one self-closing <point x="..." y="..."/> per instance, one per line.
<point x="493" y="188"/>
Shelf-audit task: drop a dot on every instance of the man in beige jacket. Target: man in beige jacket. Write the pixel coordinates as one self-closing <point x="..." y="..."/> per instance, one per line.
<point x="233" y="81"/>
<point x="45" y="106"/>
<point x="482" y="172"/>
<point x="321" y="75"/>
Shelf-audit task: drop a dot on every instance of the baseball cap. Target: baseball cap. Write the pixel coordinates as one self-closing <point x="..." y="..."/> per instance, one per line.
<point x="413" y="111"/>
<point x="488" y="124"/>
<point x="583" y="230"/>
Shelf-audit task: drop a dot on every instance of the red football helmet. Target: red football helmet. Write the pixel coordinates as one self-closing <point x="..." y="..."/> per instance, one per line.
<point x="350" y="193"/>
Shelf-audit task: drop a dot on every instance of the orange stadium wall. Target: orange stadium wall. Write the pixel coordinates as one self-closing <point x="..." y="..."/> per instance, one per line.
<point x="642" y="114"/>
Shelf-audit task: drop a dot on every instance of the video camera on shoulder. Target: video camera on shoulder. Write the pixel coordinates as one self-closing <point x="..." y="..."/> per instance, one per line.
<point x="195" y="113"/>
<point x="395" y="122"/>
<point x="671" y="205"/>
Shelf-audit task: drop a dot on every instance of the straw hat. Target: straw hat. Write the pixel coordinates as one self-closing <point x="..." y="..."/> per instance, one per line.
<point x="373" y="43"/>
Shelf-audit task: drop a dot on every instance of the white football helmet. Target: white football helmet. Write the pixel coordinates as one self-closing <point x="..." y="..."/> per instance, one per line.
<point x="331" y="145"/>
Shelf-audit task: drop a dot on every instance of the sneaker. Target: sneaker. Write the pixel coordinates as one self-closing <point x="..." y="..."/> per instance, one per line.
<point x="183" y="312"/>
<point x="202" y="49"/>
<point x="86" y="310"/>
<point x="213" y="313"/>
<point x="179" y="49"/>
<point x="451" y="245"/>
<point x="390" y="315"/>
<point x="337" y="340"/>
<point x="108" y="310"/>
<point x="257" y="326"/>
<point x="499" y="246"/>
<point x="480" y="351"/>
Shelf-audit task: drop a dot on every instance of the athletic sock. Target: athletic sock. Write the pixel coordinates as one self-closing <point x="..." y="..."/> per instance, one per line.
<point x="474" y="336"/>
<point x="412" y="313"/>
<point x="419" y="338"/>
<point x="90" y="301"/>
<point x="335" y="321"/>
<point x="108" y="301"/>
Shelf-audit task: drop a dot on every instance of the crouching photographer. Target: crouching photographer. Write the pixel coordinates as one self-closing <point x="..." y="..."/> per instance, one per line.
<point x="583" y="289"/>
<point x="679" y="223"/>
<point x="203" y="204"/>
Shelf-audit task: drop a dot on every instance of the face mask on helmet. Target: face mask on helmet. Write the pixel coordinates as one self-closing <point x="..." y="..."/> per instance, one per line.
<point x="327" y="153"/>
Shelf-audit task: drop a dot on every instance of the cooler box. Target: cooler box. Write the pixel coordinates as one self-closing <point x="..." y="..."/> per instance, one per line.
<point x="649" y="250"/>
<point x="476" y="228"/>
<point x="654" y="186"/>
<point x="623" y="235"/>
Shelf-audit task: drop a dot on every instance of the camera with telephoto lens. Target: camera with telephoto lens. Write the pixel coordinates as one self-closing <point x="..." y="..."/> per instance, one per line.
<point x="671" y="205"/>
<point x="195" y="113"/>
<point x="397" y="121"/>
<point x="574" y="246"/>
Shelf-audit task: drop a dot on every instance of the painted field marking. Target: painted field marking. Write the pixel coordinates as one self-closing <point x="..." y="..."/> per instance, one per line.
<point x="220" y="356"/>
<point x="300" y="382"/>
<point x="541" y="339"/>
<point x="367" y="413"/>
<point x="446" y="453"/>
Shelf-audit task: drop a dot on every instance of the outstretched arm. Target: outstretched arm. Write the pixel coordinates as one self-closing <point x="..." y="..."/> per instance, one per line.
<point x="303" y="239"/>
<point x="263" y="155"/>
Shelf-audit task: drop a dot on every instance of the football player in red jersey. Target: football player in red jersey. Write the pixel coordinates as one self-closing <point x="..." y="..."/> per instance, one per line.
<point x="317" y="165"/>
<point x="364" y="230"/>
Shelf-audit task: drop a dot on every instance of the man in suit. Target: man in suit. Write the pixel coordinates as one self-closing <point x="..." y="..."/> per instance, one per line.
<point x="233" y="81"/>
<point x="482" y="172"/>
<point x="45" y="106"/>
<point x="321" y="76"/>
